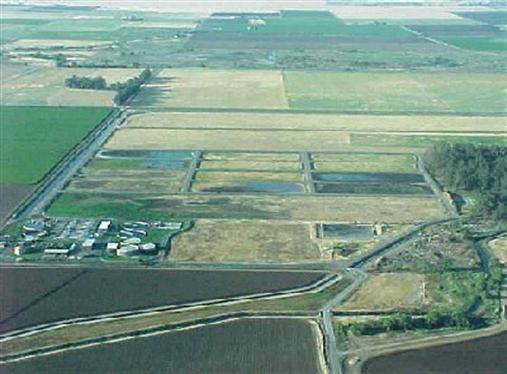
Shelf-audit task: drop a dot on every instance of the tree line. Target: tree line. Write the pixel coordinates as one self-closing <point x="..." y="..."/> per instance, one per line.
<point x="130" y="87"/>
<point x="481" y="169"/>
<point x="124" y="90"/>
<point x="87" y="83"/>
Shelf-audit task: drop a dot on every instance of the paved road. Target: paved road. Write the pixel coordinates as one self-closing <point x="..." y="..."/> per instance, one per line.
<point x="192" y="169"/>
<point x="449" y="207"/>
<point x="307" y="170"/>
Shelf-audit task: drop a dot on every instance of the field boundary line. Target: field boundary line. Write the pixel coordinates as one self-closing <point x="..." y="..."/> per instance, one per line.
<point x="151" y="331"/>
<point x="318" y="286"/>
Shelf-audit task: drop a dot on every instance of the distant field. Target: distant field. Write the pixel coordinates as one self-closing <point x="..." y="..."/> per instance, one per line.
<point x="392" y="11"/>
<point x="388" y="291"/>
<point x="394" y="209"/>
<point x="232" y="240"/>
<point x="46" y="86"/>
<point x="34" y="139"/>
<point x="395" y="92"/>
<point x="498" y="17"/>
<point x="473" y="37"/>
<point x="243" y="140"/>
<point x="305" y="121"/>
<point x="146" y="288"/>
<point x="375" y="163"/>
<point x="215" y="88"/>
<point x="54" y="43"/>
<point x="268" y="346"/>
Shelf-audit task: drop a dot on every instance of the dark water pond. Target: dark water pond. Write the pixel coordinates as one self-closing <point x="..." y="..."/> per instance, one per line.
<point x="259" y="186"/>
<point x="369" y="177"/>
<point x="345" y="231"/>
<point x="482" y="356"/>
<point x="153" y="159"/>
<point x="153" y="155"/>
<point x="374" y="188"/>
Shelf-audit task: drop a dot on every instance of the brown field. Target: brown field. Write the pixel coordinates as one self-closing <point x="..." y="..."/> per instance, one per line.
<point x="245" y="240"/>
<point x="308" y="208"/>
<point x="499" y="248"/>
<point x="215" y="88"/>
<point x="303" y="121"/>
<point x="11" y="196"/>
<point x="227" y="140"/>
<point x="388" y="291"/>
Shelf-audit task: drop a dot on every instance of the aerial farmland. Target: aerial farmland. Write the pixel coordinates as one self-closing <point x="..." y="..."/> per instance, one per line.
<point x="312" y="187"/>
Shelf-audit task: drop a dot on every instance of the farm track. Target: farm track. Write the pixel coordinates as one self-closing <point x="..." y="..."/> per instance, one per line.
<point x="315" y="111"/>
<point x="351" y="131"/>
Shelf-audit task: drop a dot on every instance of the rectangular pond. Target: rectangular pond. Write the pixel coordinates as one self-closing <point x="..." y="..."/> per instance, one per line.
<point x="347" y="231"/>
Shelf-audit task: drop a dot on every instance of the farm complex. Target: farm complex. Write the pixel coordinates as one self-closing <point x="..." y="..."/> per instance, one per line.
<point x="307" y="187"/>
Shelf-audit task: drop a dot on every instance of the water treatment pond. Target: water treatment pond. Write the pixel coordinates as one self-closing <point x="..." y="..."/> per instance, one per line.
<point x="347" y="231"/>
<point x="151" y="159"/>
<point x="258" y="186"/>
<point x="374" y="188"/>
<point x="369" y="177"/>
<point x="158" y="155"/>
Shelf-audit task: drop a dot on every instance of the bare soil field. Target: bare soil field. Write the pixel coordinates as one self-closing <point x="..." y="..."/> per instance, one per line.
<point x="33" y="296"/>
<point x="11" y="196"/>
<point x="388" y="291"/>
<point x="245" y="240"/>
<point x="215" y="88"/>
<point x="247" y="346"/>
<point x="138" y="139"/>
<point x="305" y="121"/>
<point x="439" y="247"/>
<point x="499" y="248"/>
<point x="483" y="355"/>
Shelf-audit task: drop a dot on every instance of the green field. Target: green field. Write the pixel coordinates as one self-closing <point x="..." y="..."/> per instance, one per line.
<point x="396" y="92"/>
<point x="395" y="209"/>
<point x="34" y="139"/>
